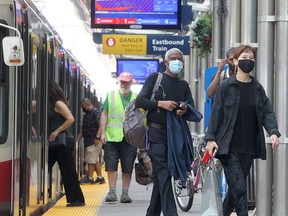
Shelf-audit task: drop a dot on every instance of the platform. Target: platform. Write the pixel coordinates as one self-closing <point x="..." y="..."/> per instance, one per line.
<point x="96" y="206"/>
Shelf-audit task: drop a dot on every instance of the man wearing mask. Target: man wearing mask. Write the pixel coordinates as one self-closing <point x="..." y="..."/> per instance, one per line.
<point x="112" y="135"/>
<point x="222" y="74"/>
<point x="93" y="146"/>
<point x="171" y="91"/>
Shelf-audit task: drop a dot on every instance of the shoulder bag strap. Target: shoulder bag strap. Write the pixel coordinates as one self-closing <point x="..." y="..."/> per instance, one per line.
<point x="156" y="86"/>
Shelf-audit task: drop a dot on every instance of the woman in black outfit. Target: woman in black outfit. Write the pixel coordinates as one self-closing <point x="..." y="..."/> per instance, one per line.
<point x="60" y="119"/>
<point x="240" y="109"/>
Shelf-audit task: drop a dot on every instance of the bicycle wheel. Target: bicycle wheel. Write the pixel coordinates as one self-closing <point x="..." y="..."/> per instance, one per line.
<point x="184" y="196"/>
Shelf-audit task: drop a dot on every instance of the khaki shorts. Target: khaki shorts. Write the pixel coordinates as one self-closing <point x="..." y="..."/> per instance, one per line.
<point x="92" y="153"/>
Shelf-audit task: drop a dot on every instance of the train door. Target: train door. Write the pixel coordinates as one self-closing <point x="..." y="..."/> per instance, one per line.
<point x="21" y="165"/>
<point x="74" y="99"/>
<point x="28" y="170"/>
<point x="80" y="166"/>
<point x="55" y="66"/>
<point x="71" y="91"/>
<point x="5" y="132"/>
<point x="42" y="90"/>
<point x="36" y="135"/>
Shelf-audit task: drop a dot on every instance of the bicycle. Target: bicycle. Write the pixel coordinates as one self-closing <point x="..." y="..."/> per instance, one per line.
<point x="185" y="195"/>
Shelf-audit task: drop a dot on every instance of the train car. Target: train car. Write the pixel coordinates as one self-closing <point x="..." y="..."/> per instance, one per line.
<point x="26" y="187"/>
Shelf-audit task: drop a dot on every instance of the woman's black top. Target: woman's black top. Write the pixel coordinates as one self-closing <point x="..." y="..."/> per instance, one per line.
<point x="246" y="128"/>
<point x="55" y="121"/>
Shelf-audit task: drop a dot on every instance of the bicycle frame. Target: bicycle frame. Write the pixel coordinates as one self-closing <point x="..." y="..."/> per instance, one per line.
<point x="185" y="195"/>
<point x="196" y="166"/>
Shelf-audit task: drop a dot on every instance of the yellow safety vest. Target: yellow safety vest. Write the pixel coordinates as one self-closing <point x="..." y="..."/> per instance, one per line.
<point x="116" y="112"/>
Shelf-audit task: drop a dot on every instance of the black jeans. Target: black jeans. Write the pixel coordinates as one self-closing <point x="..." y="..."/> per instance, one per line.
<point x="236" y="168"/>
<point x="162" y="198"/>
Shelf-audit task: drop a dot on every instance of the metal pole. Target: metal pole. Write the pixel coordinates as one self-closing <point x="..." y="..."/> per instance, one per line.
<point x="194" y="85"/>
<point x="265" y="75"/>
<point x="280" y="206"/>
<point x="201" y="90"/>
<point x="248" y="21"/>
<point x="234" y="20"/>
<point x="216" y="32"/>
<point x="225" y="33"/>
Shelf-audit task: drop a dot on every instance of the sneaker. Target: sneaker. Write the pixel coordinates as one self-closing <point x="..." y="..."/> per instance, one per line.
<point x="100" y="181"/>
<point x="111" y="197"/>
<point x="76" y="203"/>
<point x="125" y="199"/>
<point x="86" y="181"/>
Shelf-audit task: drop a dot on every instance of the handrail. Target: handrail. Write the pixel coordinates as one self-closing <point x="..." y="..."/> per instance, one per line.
<point x="10" y="27"/>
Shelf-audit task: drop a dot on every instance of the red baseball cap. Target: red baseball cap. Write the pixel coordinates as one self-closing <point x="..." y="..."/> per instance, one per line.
<point x="125" y="76"/>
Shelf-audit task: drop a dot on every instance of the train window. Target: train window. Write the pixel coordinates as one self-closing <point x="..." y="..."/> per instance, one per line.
<point x="3" y="113"/>
<point x="35" y="118"/>
<point x="4" y="100"/>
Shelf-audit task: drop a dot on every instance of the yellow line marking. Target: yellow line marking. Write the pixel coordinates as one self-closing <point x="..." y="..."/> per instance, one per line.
<point x="93" y="194"/>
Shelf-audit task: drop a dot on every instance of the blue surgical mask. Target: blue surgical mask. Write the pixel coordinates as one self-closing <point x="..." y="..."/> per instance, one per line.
<point x="175" y="66"/>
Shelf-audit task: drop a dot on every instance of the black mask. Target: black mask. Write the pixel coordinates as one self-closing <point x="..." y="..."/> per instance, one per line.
<point x="85" y="110"/>
<point x="246" y="65"/>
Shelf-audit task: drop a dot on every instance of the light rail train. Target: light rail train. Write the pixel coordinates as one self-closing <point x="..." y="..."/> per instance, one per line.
<point x="26" y="188"/>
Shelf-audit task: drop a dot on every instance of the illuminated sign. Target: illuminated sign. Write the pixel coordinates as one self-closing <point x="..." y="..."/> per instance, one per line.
<point x="136" y="14"/>
<point x="139" y="68"/>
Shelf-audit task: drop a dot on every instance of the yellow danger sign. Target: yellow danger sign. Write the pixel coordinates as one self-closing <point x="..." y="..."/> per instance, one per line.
<point x="124" y="44"/>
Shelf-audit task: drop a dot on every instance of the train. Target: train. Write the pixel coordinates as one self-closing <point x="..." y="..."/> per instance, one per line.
<point x="26" y="187"/>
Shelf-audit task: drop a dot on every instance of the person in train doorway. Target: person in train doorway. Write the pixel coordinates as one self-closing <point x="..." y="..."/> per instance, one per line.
<point x="92" y="144"/>
<point x="60" y="119"/>
<point x="172" y="90"/>
<point x="240" y="110"/>
<point x="222" y="74"/>
<point x="115" y="145"/>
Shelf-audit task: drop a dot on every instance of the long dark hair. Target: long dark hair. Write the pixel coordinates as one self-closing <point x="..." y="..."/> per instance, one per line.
<point x="55" y="93"/>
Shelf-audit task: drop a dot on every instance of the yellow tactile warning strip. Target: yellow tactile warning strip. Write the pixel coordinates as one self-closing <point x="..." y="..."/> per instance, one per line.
<point x="94" y="195"/>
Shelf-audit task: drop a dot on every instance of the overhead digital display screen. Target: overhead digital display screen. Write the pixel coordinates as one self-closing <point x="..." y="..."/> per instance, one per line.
<point x="136" y="14"/>
<point x="139" y="68"/>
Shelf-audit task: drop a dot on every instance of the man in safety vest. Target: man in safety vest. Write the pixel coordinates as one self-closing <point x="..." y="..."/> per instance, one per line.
<point x="112" y="136"/>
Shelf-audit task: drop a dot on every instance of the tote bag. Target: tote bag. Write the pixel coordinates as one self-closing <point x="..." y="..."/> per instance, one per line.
<point x="211" y="204"/>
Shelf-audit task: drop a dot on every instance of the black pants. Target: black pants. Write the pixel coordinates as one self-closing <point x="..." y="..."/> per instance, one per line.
<point x="236" y="168"/>
<point x="162" y="198"/>
<point x="68" y="172"/>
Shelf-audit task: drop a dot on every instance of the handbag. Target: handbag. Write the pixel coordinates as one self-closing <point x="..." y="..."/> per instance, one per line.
<point x="143" y="169"/>
<point x="59" y="142"/>
<point x="211" y="203"/>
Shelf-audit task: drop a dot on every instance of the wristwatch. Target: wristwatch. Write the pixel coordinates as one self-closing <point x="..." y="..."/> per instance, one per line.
<point x="97" y="138"/>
